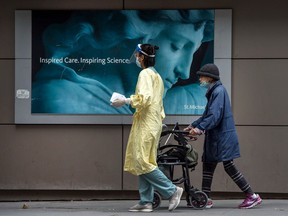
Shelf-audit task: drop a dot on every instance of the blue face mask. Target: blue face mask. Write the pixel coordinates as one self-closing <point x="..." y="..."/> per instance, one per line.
<point x="138" y="62"/>
<point x="204" y="84"/>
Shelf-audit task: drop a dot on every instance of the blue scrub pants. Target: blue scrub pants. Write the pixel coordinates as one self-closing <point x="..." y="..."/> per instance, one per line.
<point x="154" y="180"/>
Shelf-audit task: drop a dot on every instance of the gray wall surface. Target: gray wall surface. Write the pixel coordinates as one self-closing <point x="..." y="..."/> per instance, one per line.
<point x="90" y="157"/>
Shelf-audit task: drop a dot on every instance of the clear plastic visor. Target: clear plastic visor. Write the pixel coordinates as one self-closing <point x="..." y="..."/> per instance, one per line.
<point x="136" y="52"/>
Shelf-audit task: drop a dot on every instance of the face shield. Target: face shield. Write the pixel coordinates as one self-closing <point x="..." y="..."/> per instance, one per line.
<point x="136" y="52"/>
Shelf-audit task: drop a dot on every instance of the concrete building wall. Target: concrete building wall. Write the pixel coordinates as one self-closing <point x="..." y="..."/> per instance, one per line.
<point x="90" y="157"/>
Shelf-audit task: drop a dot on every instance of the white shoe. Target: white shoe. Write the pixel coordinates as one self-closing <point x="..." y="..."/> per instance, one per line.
<point x="175" y="199"/>
<point x="141" y="208"/>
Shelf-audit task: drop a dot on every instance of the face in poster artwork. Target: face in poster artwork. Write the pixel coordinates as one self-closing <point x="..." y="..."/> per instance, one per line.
<point x="81" y="57"/>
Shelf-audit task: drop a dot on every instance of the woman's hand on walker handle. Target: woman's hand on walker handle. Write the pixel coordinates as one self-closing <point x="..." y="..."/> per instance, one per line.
<point x="190" y="129"/>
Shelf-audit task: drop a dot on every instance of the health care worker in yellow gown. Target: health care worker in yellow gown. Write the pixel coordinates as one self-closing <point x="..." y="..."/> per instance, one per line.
<point x="145" y="133"/>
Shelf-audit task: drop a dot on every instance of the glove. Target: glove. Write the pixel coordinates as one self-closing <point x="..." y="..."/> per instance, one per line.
<point x="118" y="100"/>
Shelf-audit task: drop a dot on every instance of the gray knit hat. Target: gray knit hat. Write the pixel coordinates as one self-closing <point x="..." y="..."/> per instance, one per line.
<point x="209" y="70"/>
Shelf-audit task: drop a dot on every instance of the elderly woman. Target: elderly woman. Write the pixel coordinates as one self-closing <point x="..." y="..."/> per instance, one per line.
<point x="221" y="141"/>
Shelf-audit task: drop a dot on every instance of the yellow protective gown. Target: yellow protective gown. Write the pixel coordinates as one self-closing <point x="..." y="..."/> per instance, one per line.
<point x="147" y="123"/>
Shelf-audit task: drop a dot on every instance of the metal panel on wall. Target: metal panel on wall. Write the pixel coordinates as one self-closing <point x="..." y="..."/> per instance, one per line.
<point x="60" y="157"/>
<point x="260" y="89"/>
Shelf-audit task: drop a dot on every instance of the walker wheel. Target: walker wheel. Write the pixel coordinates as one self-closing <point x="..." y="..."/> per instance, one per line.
<point x="156" y="200"/>
<point x="198" y="199"/>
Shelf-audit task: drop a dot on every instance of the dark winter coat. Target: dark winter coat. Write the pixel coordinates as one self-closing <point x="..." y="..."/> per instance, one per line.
<point x="221" y="141"/>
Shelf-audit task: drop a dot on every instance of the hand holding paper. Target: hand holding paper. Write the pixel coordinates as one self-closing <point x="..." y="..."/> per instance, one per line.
<point x="118" y="100"/>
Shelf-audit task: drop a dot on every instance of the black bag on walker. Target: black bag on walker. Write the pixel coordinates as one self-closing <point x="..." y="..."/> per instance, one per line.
<point x="188" y="155"/>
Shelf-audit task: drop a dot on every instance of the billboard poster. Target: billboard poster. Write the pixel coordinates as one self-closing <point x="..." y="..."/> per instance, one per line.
<point x="79" y="58"/>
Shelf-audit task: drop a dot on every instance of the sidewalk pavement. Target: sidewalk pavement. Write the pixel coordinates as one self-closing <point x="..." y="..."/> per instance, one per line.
<point x="120" y="208"/>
